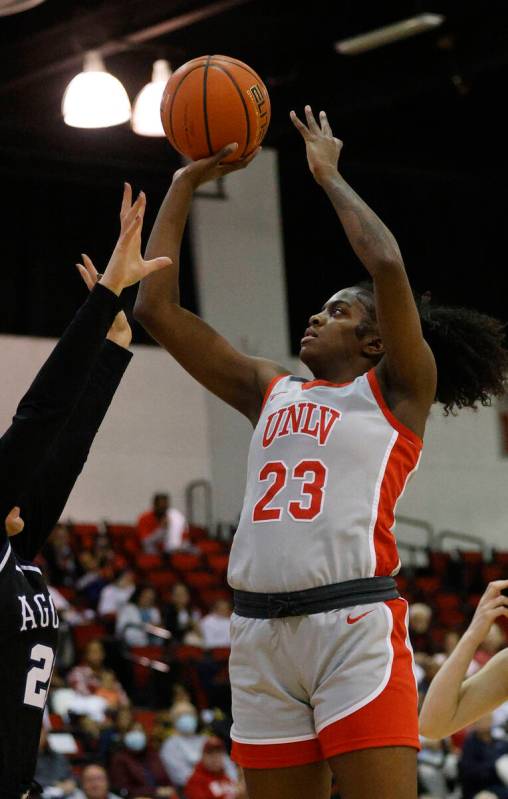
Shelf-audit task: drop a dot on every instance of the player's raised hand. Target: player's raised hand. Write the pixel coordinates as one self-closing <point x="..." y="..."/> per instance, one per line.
<point x="323" y="149"/>
<point x="120" y="331"/>
<point x="206" y="169"/>
<point x="126" y="265"/>
<point x="14" y="524"/>
<point x="493" y="604"/>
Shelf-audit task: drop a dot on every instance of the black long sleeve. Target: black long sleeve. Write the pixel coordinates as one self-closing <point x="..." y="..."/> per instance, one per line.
<point x="45" y="497"/>
<point x="45" y="407"/>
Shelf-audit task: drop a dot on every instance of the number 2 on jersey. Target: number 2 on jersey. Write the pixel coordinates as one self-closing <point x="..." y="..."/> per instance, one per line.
<point x="37" y="681"/>
<point x="313" y="473"/>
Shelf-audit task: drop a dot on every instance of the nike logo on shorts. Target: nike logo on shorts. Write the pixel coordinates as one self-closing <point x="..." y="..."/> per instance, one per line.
<point x="353" y="619"/>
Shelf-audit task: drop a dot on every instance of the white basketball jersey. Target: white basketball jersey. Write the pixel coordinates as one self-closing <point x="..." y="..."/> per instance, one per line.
<point x="327" y="465"/>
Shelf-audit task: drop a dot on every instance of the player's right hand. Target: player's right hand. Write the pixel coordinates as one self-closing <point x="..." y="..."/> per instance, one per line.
<point x="126" y="265"/>
<point x="492" y="605"/>
<point x="206" y="169"/>
<point x="14" y="524"/>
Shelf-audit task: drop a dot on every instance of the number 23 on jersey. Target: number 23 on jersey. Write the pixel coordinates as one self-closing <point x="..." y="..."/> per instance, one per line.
<point x="308" y="478"/>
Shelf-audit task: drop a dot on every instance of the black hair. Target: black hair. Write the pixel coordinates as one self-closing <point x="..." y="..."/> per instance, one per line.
<point x="469" y="348"/>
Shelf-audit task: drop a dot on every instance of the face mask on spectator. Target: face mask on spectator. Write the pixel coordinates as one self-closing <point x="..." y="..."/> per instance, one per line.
<point x="186" y="724"/>
<point x="135" y="740"/>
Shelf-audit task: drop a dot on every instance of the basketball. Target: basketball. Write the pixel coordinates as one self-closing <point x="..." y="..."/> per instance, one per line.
<point x="212" y="101"/>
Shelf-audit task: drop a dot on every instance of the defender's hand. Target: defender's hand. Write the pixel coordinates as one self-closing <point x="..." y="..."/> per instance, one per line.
<point x="14" y="524"/>
<point x="126" y="265"/>
<point x="323" y="150"/>
<point x="206" y="169"/>
<point x="120" y="331"/>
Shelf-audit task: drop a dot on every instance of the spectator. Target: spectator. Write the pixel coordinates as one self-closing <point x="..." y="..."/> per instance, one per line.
<point x="181" y="619"/>
<point x="87" y="678"/>
<point x="420" y="616"/>
<point x="111" y="736"/>
<point x="94" y="784"/>
<point x="92" y="581"/>
<point x="181" y="752"/>
<point x="53" y="769"/>
<point x="216" y="626"/>
<point x="60" y="558"/>
<point x="137" y="769"/>
<point x="135" y="615"/>
<point x="115" y="595"/>
<point x="209" y="779"/>
<point x="162" y="529"/>
<point x="478" y="765"/>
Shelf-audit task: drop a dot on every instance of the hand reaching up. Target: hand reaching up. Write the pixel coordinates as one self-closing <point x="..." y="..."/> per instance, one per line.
<point x="120" y="331"/>
<point x="126" y="265"/>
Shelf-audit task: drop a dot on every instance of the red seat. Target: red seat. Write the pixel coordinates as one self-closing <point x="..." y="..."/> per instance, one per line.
<point x="146" y="718"/>
<point x="209" y="596"/>
<point x="197" y="534"/>
<point x="209" y="547"/>
<point x="493" y="571"/>
<point x="185" y="653"/>
<point x="447" y="601"/>
<point x="84" y="529"/>
<point x="121" y="530"/>
<point x="147" y="563"/>
<point x="57" y="722"/>
<point x="471" y="556"/>
<point x="439" y="562"/>
<point x="143" y="664"/>
<point x="219" y="563"/>
<point x="220" y="653"/>
<point x="201" y="580"/>
<point x="428" y="585"/>
<point x="83" y="633"/>
<point x="501" y="558"/>
<point x="162" y="580"/>
<point x="185" y="561"/>
<point x="68" y="593"/>
<point x="451" y="617"/>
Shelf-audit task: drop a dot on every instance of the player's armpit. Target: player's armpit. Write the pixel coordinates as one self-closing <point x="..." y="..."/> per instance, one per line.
<point x="238" y="379"/>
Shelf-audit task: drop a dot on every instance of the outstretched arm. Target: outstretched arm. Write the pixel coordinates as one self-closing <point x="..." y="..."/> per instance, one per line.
<point x="408" y="365"/>
<point x="452" y="703"/>
<point x="45" y="407"/>
<point x="236" y="378"/>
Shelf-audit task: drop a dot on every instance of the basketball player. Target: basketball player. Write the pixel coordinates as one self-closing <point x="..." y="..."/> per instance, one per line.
<point x="321" y="666"/>
<point x="41" y="456"/>
<point x="452" y="703"/>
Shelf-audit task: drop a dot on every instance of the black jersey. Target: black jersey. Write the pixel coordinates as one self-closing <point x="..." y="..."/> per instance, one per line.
<point x="28" y="641"/>
<point x="41" y="456"/>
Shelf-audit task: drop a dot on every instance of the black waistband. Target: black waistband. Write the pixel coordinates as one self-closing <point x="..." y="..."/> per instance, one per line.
<point x="315" y="600"/>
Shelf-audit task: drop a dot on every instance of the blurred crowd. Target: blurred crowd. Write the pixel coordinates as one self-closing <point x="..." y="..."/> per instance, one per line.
<point x="140" y="702"/>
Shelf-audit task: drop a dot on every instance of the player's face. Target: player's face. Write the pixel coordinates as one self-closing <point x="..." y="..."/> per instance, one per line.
<point x="331" y="334"/>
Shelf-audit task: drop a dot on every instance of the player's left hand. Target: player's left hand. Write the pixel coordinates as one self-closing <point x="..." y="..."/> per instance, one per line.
<point x="212" y="168"/>
<point x="14" y="524"/>
<point x="323" y="149"/>
<point x="120" y="331"/>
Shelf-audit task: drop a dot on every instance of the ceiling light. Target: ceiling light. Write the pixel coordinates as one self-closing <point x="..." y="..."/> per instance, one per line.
<point x="8" y="7"/>
<point x="146" y="112"/>
<point x="95" y="98"/>
<point x="389" y="33"/>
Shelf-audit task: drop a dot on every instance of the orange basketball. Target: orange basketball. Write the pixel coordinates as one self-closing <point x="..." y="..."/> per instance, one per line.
<point x="212" y="101"/>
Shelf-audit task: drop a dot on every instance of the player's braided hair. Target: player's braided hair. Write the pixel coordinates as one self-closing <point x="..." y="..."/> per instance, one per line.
<point x="469" y="348"/>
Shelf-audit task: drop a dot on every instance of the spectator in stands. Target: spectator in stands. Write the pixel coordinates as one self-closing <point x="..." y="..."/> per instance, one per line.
<point x="209" y="779"/>
<point x="216" y="625"/>
<point x="137" y="769"/>
<point x="53" y="769"/>
<point x="60" y="558"/>
<point x="420" y="616"/>
<point x="163" y="528"/>
<point x="115" y="595"/>
<point x="182" y="751"/>
<point x="94" y="784"/>
<point x="92" y="581"/>
<point x="135" y="615"/>
<point x="479" y="767"/>
<point x="87" y="678"/>
<point x="111" y="736"/>
<point x="181" y="618"/>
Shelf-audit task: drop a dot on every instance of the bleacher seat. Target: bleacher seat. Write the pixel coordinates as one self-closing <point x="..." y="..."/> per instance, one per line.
<point x="185" y="561"/>
<point x="83" y="633"/>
